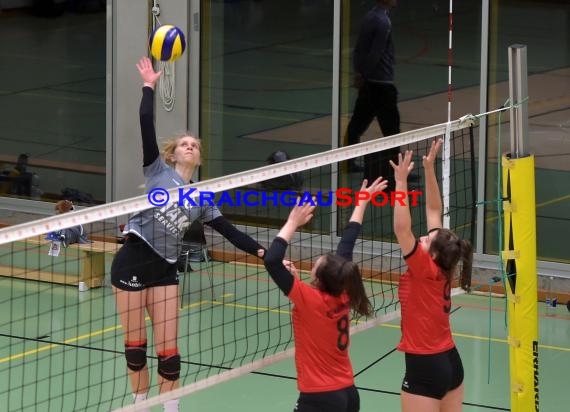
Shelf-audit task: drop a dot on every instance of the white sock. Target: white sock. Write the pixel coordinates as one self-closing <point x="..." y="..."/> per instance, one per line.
<point x="171" y="405"/>
<point x="139" y="397"/>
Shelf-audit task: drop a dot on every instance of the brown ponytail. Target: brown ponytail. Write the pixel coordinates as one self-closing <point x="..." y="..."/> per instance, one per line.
<point x="448" y="249"/>
<point x="337" y="275"/>
<point x="466" y="265"/>
<point x="359" y="302"/>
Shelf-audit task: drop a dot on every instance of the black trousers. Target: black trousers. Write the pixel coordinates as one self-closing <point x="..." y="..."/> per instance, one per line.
<point x="380" y="101"/>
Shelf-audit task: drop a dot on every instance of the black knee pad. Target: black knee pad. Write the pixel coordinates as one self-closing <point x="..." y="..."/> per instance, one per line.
<point x="136" y="356"/>
<point x="169" y="367"/>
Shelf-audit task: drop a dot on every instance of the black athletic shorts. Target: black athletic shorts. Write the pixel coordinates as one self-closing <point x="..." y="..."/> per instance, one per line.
<point x="136" y="267"/>
<point x="433" y="375"/>
<point x="343" y="400"/>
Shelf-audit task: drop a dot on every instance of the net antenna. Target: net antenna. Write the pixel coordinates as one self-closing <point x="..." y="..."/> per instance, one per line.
<point x="166" y="82"/>
<point x="446" y="156"/>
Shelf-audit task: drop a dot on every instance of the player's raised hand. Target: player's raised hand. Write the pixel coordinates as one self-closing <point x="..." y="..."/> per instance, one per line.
<point x="148" y="75"/>
<point x="429" y="159"/>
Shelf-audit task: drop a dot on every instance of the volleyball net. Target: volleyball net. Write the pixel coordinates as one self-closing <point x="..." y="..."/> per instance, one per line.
<point x="61" y="343"/>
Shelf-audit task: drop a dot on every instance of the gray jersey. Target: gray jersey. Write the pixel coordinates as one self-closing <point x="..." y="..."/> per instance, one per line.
<point x="163" y="227"/>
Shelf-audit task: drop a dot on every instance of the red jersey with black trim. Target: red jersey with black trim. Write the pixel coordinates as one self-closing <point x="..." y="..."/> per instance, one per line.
<point x="425" y="298"/>
<point x="321" y="326"/>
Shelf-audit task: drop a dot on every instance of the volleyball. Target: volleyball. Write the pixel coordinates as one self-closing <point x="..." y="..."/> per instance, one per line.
<point x="167" y="43"/>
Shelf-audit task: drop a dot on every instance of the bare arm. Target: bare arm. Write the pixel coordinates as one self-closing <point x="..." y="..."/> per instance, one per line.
<point x="402" y="216"/>
<point x="377" y="186"/>
<point x="298" y="216"/>
<point x="352" y="229"/>
<point x="434" y="206"/>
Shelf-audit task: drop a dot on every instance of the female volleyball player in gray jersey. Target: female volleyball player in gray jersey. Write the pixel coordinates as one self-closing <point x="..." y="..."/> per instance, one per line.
<point x="143" y="273"/>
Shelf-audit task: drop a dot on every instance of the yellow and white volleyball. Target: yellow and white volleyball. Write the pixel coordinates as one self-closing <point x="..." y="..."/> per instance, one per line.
<point x="167" y="43"/>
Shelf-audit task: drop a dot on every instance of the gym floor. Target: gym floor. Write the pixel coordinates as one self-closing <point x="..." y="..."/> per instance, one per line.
<point x="62" y="350"/>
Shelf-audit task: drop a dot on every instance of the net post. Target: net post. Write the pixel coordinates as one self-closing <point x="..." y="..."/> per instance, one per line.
<point x="482" y="152"/>
<point x="518" y="93"/>
<point x="521" y="286"/>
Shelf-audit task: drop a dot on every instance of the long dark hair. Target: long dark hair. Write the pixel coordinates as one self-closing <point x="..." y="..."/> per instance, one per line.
<point x="335" y="275"/>
<point x="447" y="250"/>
